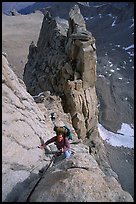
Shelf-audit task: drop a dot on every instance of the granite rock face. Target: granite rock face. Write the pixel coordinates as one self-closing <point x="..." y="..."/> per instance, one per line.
<point x="78" y="179"/>
<point x="64" y="62"/>
<point x="22" y="125"/>
<point x="23" y="122"/>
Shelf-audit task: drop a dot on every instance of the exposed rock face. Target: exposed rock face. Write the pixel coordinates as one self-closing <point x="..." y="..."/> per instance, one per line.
<point x="81" y="49"/>
<point x="15" y="176"/>
<point x="64" y="62"/>
<point x="78" y="179"/>
<point x="23" y="123"/>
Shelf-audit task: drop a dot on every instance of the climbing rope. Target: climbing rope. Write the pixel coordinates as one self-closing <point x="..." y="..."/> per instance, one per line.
<point x="51" y="162"/>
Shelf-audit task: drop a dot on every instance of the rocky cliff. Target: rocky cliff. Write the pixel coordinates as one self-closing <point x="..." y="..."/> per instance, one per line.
<point x="115" y="58"/>
<point x="62" y="66"/>
<point x="73" y="180"/>
<point x="64" y="62"/>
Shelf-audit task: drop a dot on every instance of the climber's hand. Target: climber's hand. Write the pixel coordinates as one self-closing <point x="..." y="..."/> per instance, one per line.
<point x="42" y="146"/>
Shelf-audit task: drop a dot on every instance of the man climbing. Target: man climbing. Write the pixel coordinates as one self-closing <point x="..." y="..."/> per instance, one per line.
<point x="62" y="144"/>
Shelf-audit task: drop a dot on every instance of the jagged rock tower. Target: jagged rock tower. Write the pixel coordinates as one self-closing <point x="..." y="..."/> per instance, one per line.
<point x="64" y="63"/>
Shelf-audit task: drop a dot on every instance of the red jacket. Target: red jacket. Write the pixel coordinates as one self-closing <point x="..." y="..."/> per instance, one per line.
<point x="63" y="144"/>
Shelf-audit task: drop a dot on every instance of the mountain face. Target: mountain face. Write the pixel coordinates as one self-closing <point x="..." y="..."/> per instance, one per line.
<point x="8" y="6"/>
<point x="115" y="65"/>
<point x="58" y="65"/>
<point x="112" y="24"/>
<point x="64" y="63"/>
<point x="41" y="5"/>
<point x="23" y="123"/>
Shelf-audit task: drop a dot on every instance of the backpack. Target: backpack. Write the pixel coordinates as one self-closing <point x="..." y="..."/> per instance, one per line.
<point x="64" y="130"/>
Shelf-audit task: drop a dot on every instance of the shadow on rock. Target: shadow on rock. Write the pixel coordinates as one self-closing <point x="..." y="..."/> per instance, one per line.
<point x="16" y="192"/>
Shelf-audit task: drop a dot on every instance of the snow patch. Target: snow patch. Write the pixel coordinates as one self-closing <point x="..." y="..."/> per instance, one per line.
<point x="100" y="75"/>
<point x="125" y="62"/>
<point x="123" y="137"/>
<point x="97" y="6"/>
<point x="86" y="18"/>
<point x="131" y="54"/>
<point x="109" y="14"/>
<point x="117" y="45"/>
<point x="132" y="25"/>
<point x="114" y="22"/>
<point x="129" y="47"/>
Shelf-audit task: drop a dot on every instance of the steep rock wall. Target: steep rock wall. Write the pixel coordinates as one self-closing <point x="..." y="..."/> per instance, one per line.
<point x="64" y="62"/>
<point x="22" y="125"/>
<point x="75" y="179"/>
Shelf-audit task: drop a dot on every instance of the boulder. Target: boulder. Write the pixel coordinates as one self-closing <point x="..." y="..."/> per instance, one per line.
<point x="78" y="179"/>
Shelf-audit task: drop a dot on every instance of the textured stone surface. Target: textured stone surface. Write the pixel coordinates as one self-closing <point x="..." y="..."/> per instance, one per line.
<point x="65" y="66"/>
<point x="63" y="62"/>
<point x="23" y="123"/>
<point x="75" y="179"/>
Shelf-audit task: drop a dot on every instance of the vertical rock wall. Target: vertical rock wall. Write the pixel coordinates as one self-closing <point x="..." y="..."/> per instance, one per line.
<point x="64" y="62"/>
<point x="80" y="95"/>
